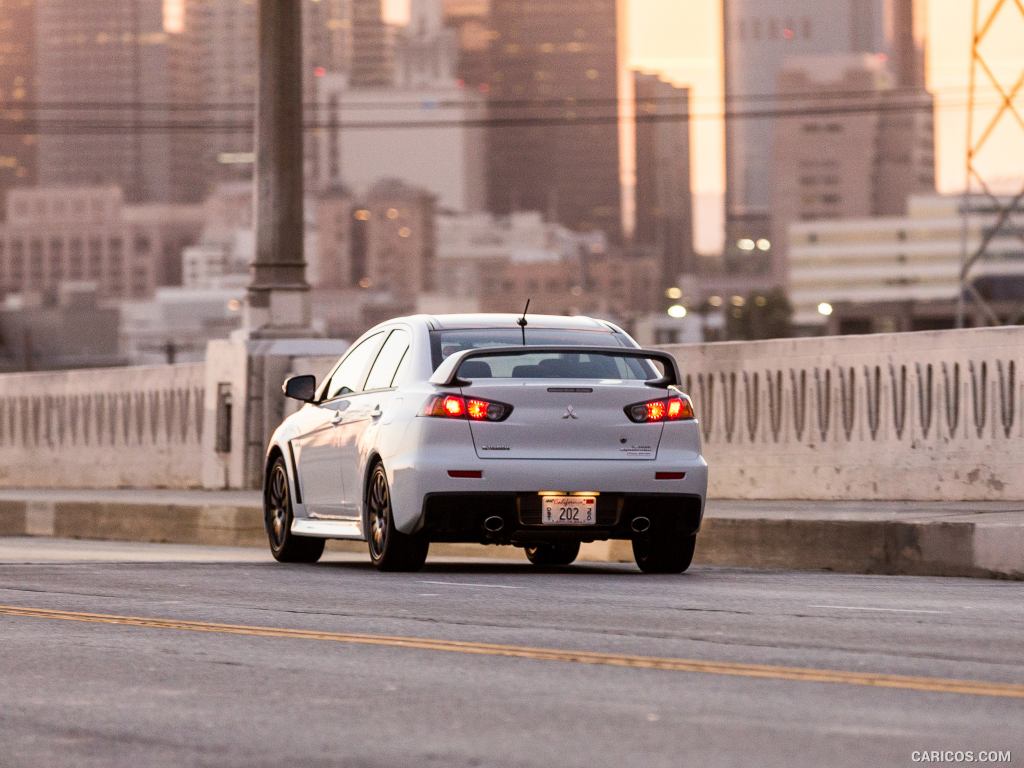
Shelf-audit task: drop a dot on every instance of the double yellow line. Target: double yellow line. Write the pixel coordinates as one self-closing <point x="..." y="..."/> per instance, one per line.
<point x="765" y="671"/>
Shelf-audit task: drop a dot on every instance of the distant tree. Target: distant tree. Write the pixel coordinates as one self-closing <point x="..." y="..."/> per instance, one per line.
<point x="761" y="316"/>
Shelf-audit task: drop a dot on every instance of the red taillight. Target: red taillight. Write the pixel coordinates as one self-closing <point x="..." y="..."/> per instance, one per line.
<point x="669" y="409"/>
<point x="655" y="410"/>
<point x="453" y="406"/>
<point x="459" y="407"/>
<point x="477" y="409"/>
<point x="676" y="407"/>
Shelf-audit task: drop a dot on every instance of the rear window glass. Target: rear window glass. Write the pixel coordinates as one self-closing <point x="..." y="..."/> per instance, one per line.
<point x="532" y="365"/>
<point x="445" y="343"/>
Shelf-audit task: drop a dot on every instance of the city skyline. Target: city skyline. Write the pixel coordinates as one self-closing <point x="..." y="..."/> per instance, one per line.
<point x="683" y="42"/>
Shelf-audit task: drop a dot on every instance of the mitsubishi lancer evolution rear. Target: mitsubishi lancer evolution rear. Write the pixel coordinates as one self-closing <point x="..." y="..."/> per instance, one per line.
<point x="571" y="443"/>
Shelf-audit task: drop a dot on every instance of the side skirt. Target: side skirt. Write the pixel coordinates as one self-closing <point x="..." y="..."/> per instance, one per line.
<point x="328" y="529"/>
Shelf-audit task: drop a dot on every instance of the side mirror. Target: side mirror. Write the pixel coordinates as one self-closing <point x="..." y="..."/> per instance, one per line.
<point x="300" y="388"/>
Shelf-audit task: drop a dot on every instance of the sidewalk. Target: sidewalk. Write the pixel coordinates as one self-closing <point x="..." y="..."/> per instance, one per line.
<point x="984" y="539"/>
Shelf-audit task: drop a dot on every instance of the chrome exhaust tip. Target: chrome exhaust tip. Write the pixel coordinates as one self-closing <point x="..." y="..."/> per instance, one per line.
<point x="640" y="524"/>
<point x="494" y="524"/>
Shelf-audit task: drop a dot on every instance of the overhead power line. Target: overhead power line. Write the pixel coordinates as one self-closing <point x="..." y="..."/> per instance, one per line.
<point x="100" y="127"/>
<point x="443" y="103"/>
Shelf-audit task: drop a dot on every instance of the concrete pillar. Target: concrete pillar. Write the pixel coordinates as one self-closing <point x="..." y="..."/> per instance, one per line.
<point x="243" y="401"/>
<point x="278" y="303"/>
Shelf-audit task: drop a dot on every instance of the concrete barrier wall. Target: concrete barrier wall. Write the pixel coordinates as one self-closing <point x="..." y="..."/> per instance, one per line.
<point x="103" y="428"/>
<point x="920" y="416"/>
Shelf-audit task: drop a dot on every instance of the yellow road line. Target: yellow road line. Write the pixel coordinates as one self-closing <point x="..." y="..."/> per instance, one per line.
<point x="800" y="674"/>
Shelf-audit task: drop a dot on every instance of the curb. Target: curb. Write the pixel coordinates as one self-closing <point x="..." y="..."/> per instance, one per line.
<point x="985" y="547"/>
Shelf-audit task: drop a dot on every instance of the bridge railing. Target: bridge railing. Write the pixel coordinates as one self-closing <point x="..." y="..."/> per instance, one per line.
<point x="102" y="428"/>
<point x="922" y="416"/>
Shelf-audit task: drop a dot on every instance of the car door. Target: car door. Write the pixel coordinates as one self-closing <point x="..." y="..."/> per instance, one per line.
<point x="369" y="411"/>
<point x="317" y="454"/>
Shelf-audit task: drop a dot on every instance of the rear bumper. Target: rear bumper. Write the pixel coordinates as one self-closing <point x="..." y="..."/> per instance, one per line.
<point x="460" y="517"/>
<point x="418" y="481"/>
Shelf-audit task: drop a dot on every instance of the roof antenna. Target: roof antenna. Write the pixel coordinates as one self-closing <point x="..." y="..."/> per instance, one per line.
<point x="521" y="322"/>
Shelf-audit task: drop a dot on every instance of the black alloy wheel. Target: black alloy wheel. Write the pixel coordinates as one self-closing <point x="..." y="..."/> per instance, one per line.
<point x="285" y="546"/>
<point x="557" y="553"/>
<point x="390" y="549"/>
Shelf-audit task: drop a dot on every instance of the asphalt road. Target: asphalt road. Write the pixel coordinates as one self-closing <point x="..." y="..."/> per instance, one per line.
<point x="149" y="655"/>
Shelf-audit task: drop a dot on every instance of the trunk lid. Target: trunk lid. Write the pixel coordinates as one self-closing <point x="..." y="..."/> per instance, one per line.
<point x="566" y="419"/>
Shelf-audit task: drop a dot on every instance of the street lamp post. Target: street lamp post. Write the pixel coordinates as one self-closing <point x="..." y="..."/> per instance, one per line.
<point x="277" y="303"/>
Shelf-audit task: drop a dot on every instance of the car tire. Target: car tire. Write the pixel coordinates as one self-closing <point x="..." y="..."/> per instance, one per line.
<point x="671" y="554"/>
<point x="390" y="549"/>
<point x="557" y="553"/>
<point x="285" y="546"/>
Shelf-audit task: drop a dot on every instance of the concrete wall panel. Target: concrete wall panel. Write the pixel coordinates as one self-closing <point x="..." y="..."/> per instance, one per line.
<point x="922" y="416"/>
<point x="102" y="428"/>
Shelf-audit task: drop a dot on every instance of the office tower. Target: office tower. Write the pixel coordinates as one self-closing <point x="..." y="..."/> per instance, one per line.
<point x="426" y="51"/>
<point x="553" y="145"/>
<point x="17" y="87"/>
<point x="397" y="130"/>
<point x="906" y="53"/>
<point x="864" y="162"/>
<point x="470" y="19"/>
<point x="400" y="240"/>
<point x="758" y="37"/>
<point x="214" y="64"/>
<point x="114" y="55"/>
<point x="664" y="202"/>
<point x="372" y="59"/>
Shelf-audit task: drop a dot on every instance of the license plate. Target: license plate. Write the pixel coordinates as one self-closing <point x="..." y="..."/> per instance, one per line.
<point x="568" y="510"/>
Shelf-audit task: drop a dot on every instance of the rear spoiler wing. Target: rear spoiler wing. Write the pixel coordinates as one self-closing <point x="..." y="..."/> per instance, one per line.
<point x="447" y="374"/>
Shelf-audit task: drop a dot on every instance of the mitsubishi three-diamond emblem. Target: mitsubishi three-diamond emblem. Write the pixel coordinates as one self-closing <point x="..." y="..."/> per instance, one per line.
<point x="570" y="413"/>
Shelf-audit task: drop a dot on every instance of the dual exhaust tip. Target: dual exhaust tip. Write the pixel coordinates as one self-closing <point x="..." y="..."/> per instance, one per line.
<point x="496" y="523"/>
<point x="640" y="524"/>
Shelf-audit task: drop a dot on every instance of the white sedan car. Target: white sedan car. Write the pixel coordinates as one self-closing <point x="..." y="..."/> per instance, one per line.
<point x="542" y="432"/>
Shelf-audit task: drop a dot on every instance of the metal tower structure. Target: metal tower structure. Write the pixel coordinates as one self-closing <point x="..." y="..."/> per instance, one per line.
<point x="1007" y="87"/>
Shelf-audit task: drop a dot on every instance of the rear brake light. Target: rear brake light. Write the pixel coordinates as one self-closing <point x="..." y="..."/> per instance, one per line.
<point x="458" y="407"/>
<point x="669" y="409"/>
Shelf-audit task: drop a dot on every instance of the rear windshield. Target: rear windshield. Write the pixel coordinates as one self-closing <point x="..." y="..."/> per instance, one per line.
<point x="532" y="365"/>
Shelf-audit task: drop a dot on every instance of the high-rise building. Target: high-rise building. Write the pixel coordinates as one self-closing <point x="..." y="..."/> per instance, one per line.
<point x="397" y="130"/>
<point x="372" y="56"/>
<point x="426" y="51"/>
<point x="553" y="144"/>
<point x="17" y="87"/>
<point x="214" y="64"/>
<point x="865" y="162"/>
<point x="471" y="20"/>
<point x="218" y="47"/>
<point x="331" y="264"/>
<point x="905" y="48"/>
<point x="400" y="240"/>
<point x="760" y="36"/>
<point x="114" y="55"/>
<point x="664" y="202"/>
